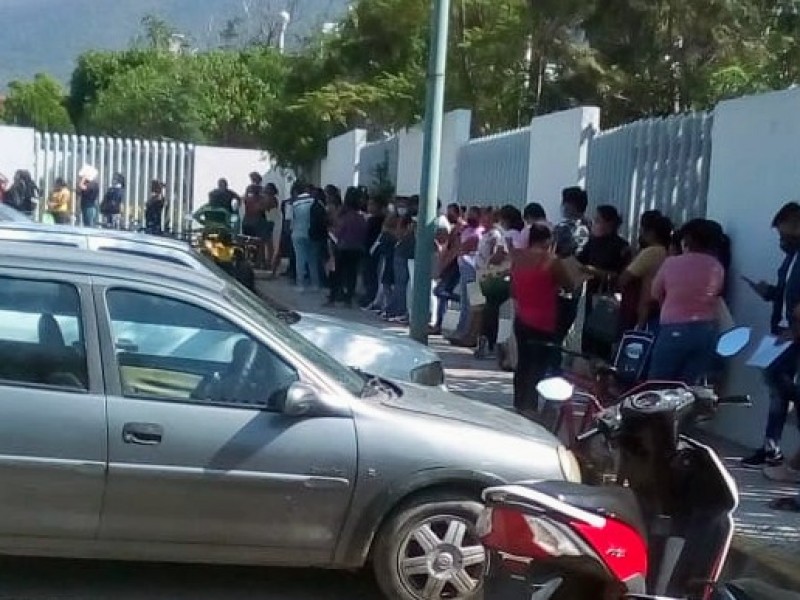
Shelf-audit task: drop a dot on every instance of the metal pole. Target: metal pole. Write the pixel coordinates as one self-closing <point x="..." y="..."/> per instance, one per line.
<point x="429" y="184"/>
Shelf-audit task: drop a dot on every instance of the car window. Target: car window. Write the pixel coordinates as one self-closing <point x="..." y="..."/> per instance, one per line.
<point x="41" y="334"/>
<point x="172" y="350"/>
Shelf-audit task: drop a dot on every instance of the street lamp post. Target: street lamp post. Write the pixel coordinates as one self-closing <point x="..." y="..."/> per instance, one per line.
<point x="431" y="158"/>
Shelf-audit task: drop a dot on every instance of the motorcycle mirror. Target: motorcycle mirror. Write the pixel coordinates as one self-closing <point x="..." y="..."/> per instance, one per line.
<point x="733" y="342"/>
<point x="555" y="389"/>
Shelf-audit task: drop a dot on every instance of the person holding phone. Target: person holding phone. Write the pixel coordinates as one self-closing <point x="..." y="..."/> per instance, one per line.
<point x="780" y="375"/>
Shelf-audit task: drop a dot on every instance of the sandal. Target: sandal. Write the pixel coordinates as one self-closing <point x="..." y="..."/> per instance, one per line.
<point x="786" y="504"/>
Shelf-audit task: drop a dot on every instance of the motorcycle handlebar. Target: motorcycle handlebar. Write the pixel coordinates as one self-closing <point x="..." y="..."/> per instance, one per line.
<point x="743" y="400"/>
<point x="587" y="435"/>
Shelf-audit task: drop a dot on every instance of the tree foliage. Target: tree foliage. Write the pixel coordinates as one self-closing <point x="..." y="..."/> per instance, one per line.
<point x="509" y="60"/>
<point x="38" y="103"/>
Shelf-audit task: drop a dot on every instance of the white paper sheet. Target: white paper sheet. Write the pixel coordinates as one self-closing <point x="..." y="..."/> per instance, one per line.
<point x="768" y="352"/>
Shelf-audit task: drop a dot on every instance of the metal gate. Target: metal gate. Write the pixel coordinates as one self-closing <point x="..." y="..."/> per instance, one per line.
<point x="653" y="164"/>
<point x="140" y="161"/>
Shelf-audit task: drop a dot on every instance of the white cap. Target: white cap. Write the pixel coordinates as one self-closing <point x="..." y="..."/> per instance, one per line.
<point x="442" y="223"/>
<point x="88" y="172"/>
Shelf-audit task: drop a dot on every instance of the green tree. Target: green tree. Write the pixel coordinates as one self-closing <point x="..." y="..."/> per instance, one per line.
<point x="39" y="103"/>
<point x="160" y="99"/>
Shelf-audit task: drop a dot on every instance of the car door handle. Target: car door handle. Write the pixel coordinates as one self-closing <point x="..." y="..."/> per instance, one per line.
<point x="144" y="434"/>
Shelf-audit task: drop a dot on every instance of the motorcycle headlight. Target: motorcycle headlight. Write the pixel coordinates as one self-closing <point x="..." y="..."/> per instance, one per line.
<point x="569" y="465"/>
<point x="431" y="374"/>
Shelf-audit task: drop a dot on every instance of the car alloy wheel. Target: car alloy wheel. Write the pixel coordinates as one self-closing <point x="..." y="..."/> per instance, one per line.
<point x="441" y="557"/>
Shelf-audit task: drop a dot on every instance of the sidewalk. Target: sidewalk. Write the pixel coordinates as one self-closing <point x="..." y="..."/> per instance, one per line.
<point x="767" y="541"/>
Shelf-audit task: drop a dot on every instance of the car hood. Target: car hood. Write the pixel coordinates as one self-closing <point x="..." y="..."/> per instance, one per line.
<point x="371" y="349"/>
<point x="430" y="401"/>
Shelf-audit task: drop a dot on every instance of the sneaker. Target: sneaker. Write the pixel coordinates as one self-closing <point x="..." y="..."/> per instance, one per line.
<point x="782" y="474"/>
<point x="763" y="458"/>
<point x="368" y="308"/>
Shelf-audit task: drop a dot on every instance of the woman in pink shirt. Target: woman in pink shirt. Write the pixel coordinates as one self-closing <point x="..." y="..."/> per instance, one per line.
<point x="688" y="287"/>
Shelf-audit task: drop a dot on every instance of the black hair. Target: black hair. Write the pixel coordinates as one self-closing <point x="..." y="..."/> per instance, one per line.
<point x="455" y="207"/>
<point x="661" y="228"/>
<point x="271" y="188"/>
<point x="610" y="214"/>
<point x="789" y="212"/>
<point x="576" y="197"/>
<point x="539" y="234"/>
<point x="222" y="182"/>
<point x="700" y="235"/>
<point x="650" y="219"/>
<point x="534" y="212"/>
<point x="319" y="194"/>
<point x="60" y="182"/>
<point x="512" y="216"/>
<point x="256" y="178"/>
<point x="300" y="187"/>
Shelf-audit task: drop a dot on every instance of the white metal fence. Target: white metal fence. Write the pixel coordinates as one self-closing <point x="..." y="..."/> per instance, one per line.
<point x="139" y="161"/>
<point x="493" y="170"/>
<point x="653" y="164"/>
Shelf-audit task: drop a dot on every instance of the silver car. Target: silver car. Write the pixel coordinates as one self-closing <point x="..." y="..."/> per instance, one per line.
<point x="368" y="348"/>
<point x="149" y="412"/>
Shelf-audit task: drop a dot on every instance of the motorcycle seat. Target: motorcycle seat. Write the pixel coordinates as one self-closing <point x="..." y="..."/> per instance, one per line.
<point x="615" y="502"/>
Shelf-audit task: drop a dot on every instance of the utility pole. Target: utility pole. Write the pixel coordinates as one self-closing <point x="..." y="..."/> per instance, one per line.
<point x="431" y="158"/>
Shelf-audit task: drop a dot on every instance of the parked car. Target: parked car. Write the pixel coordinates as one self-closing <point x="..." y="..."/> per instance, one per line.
<point x="203" y="429"/>
<point x="370" y="349"/>
<point x="12" y="215"/>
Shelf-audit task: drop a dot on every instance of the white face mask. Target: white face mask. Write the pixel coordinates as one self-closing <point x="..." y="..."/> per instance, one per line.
<point x="402" y="211"/>
<point x="390" y="209"/>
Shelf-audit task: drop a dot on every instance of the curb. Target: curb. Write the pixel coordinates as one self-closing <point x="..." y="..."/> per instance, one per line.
<point x="749" y="558"/>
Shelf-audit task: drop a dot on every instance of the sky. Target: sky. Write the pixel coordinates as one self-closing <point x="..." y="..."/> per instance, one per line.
<point x="48" y="35"/>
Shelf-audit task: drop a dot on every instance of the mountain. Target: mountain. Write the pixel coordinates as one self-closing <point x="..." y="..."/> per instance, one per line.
<point x="48" y="35"/>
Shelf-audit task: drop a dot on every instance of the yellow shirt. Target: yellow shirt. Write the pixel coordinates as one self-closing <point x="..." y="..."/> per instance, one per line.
<point x="647" y="262"/>
<point x="60" y="200"/>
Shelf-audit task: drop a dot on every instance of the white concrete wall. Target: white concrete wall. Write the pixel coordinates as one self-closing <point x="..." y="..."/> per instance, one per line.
<point x="409" y="161"/>
<point x="17" y="150"/>
<point x="455" y="133"/>
<point x="755" y="161"/>
<point x="559" y="154"/>
<point x="340" y="166"/>
<point x="234" y="164"/>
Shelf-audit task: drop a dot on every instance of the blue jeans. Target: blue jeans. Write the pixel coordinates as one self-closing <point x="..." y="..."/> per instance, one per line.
<point x="398" y="303"/>
<point x="467" y="275"/>
<point x="306" y="258"/>
<point x="89" y="216"/>
<point x="783" y="391"/>
<point x="684" y="352"/>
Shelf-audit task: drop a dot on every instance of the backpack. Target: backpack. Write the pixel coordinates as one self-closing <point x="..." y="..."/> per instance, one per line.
<point x="318" y="229"/>
<point x="112" y="202"/>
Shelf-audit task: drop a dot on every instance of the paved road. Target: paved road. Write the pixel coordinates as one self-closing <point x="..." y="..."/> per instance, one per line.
<point x="37" y="579"/>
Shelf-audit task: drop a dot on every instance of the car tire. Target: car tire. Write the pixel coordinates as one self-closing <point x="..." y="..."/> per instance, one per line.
<point x="429" y="550"/>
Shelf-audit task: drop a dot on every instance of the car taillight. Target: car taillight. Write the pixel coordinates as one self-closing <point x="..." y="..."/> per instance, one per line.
<point x="513" y="532"/>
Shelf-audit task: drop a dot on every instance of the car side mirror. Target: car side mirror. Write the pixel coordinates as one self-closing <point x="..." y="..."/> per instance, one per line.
<point x="301" y="400"/>
<point x="555" y="389"/>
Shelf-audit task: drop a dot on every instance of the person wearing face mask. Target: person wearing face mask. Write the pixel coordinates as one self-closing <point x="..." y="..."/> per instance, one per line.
<point x="780" y="375"/>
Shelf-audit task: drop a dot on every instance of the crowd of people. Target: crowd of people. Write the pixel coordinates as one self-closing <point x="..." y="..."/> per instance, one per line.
<point x="82" y="204"/>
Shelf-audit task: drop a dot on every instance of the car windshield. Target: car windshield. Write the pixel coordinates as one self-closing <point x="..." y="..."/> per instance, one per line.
<point x="249" y="302"/>
<point x="278" y="310"/>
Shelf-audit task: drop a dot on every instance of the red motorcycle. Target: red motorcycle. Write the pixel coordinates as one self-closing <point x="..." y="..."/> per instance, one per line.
<point x="663" y="532"/>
